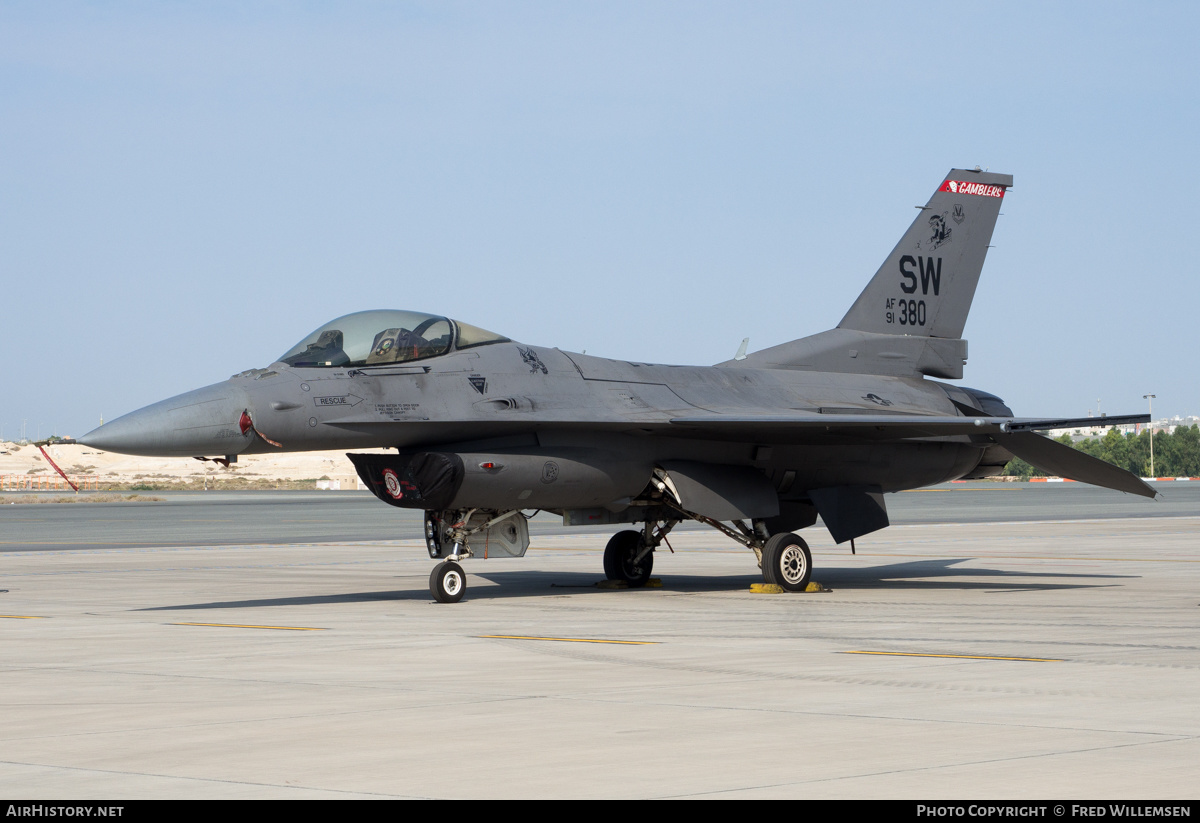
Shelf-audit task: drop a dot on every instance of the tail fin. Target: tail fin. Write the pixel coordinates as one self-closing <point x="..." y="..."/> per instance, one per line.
<point x="926" y="285"/>
<point x="910" y="318"/>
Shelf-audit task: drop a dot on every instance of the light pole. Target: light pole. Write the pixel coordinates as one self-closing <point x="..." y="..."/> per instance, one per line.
<point x="1149" y="398"/>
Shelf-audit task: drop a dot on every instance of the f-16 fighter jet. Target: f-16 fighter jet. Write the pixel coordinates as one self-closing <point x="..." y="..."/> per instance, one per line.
<point x="486" y="428"/>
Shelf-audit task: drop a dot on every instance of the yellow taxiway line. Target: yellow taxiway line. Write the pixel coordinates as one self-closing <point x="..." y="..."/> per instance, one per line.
<point x="22" y="617"/>
<point x="963" y="656"/>
<point x="567" y="639"/>
<point x="252" y="626"/>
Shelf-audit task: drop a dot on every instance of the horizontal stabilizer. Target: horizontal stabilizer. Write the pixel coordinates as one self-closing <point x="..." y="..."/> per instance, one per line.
<point x="1077" y="422"/>
<point x="1064" y="461"/>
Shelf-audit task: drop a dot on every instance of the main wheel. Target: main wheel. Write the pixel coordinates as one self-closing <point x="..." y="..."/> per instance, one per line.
<point x="787" y="562"/>
<point x="620" y="559"/>
<point x="447" y="582"/>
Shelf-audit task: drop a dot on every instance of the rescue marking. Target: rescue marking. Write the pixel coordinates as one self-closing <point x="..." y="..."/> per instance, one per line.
<point x="963" y="656"/>
<point x="342" y="400"/>
<point x="568" y="639"/>
<point x="252" y="626"/>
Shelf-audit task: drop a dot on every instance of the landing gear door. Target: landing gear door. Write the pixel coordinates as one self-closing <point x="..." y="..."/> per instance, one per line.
<point x="508" y="538"/>
<point x="722" y="492"/>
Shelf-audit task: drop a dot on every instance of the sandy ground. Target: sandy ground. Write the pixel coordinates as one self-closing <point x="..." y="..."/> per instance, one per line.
<point x="19" y="463"/>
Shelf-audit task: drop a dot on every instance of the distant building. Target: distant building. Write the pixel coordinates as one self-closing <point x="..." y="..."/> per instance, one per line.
<point x="1166" y="425"/>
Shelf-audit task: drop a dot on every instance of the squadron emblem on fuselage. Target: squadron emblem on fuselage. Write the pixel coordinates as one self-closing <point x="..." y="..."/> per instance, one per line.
<point x="531" y="359"/>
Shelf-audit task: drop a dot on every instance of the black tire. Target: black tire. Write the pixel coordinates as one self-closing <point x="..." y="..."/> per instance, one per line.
<point x="447" y="582"/>
<point x="787" y="562"/>
<point x="619" y="556"/>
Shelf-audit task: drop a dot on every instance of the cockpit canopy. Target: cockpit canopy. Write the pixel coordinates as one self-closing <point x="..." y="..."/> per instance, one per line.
<point x="369" y="338"/>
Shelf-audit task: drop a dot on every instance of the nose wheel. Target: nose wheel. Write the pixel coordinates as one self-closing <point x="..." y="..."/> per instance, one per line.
<point x="447" y="582"/>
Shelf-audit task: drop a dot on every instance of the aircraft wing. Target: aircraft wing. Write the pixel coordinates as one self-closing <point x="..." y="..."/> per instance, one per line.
<point x="1017" y="435"/>
<point x="785" y="427"/>
<point x="888" y="426"/>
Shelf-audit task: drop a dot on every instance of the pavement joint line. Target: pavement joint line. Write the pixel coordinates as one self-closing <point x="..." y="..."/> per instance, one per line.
<point x="981" y="556"/>
<point x="193" y="779"/>
<point x="614" y="698"/>
<point x="1061" y="521"/>
<point x="474" y="698"/>
<point x="932" y="767"/>
<point x="253" y="626"/>
<point x="385" y="542"/>
<point x="567" y="639"/>
<point x="175" y="569"/>
<point x="961" y="656"/>
<point x="130" y="546"/>
<point x="858" y="680"/>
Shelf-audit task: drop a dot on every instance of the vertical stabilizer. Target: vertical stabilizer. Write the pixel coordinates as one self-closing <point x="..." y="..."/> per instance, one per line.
<point x="909" y="320"/>
<point x="925" y="287"/>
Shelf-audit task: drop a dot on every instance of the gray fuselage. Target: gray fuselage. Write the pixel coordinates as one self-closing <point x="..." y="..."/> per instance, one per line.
<point x="511" y="399"/>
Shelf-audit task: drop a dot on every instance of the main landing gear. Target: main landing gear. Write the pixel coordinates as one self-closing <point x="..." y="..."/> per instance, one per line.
<point x="629" y="555"/>
<point x="627" y="558"/>
<point x="784" y="558"/>
<point x="786" y="562"/>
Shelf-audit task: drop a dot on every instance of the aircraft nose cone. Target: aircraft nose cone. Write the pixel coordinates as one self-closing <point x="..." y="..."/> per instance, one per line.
<point x="200" y="422"/>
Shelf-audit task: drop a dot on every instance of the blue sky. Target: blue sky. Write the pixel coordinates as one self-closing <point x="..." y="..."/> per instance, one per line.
<point x="186" y="190"/>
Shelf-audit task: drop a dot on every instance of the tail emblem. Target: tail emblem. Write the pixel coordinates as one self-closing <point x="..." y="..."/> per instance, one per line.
<point x="941" y="232"/>
<point x="963" y="187"/>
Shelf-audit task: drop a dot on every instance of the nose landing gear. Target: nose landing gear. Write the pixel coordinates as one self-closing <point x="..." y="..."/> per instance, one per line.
<point x="447" y="582"/>
<point x="449" y="535"/>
